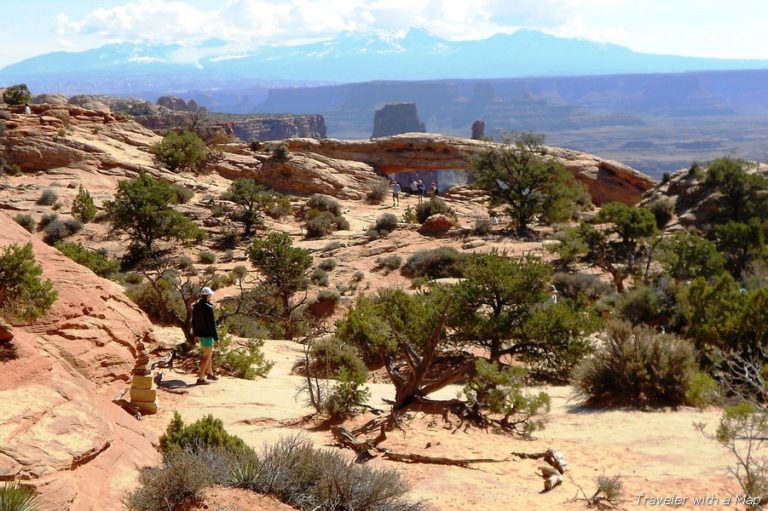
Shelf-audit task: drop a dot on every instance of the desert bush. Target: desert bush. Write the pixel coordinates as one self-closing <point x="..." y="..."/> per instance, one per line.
<point x="346" y="396"/>
<point x="133" y="278"/>
<point x="386" y="223"/>
<point x="255" y="145"/>
<point x="279" y="206"/>
<point x="158" y="302"/>
<point x="17" y="94"/>
<point x="702" y="391"/>
<point x="501" y="392"/>
<point x="206" y="257"/>
<point x="23" y="294"/>
<point x="331" y="246"/>
<point x="181" y="478"/>
<point x="435" y="263"/>
<point x="389" y="262"/>
<point x="183" y="194"/>
<point x="483" y="226"/>
<point x="26" y="221"/>
<point x="637" y="366"/>
<point x="431" y="207"/>
<point x="182" y="152"/>
<point x="324" y="480"/>
<point x="653" y="305"/>
<point x="319" y="277"/>
<point x="409" y="216"/>
<point x="378" y="192"/>
<point x="244" y="360"/>
<point x="184" y="263"/>
<point x="204" y="433"/>
<point x="98" y="262"/>
<point x="321" y="223"/>
<point x="15" y="497"/>
<point x="663" y="210"/>
<point x="328" y="356"/>
<point x="574" y="285"/>
<point x="358" y="276"/>
<point x="83" y="208"/>
<point x="324" y="203"/>
<point x="280" y="152"/>
<point x="48" y="198"/>
<point x="57" y="230"/>
<point x="327" y="264"/>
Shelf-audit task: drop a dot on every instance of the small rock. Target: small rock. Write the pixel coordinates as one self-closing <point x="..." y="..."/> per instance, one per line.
<point x="436" y="225"/>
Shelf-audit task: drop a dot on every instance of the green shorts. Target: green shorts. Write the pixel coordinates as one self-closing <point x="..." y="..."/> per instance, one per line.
<point x="206" y="342"/>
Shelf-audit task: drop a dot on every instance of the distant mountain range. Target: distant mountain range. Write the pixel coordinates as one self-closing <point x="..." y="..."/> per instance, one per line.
<point x="131" y="68"/>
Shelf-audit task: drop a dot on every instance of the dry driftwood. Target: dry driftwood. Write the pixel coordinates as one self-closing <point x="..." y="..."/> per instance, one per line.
<point x="437" y="460"/>
<point x="552" y="474"/>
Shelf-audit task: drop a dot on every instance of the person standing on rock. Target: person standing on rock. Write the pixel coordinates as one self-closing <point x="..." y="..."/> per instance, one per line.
<point x="204" y="330"/>
<point x="395" y="194"/>
<point x="27" y="110"/>
<point x="420" y="190"/>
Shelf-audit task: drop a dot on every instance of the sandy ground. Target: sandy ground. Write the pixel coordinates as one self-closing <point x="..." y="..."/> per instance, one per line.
<point x="657" y="454"/>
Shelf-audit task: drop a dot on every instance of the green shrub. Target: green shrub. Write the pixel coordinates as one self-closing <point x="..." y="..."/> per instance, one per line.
<point x="663" y="210"/>
<point x="702" y="391"/>
<point x="280" y="152"/>
<point x="203" y="433"/>
<point x="333" y="245"/>
<point x="324" y="203"/>
<point x="182" y="152"/>
<point x="26" y="221"/>
<point x="206" y="257"/>
<point x="279" y="206"/>
<point x="17" y="94"/>
<point x="48" y="198"/>
<point x="501" y="392"/>
<point x="409" y="216"/>
<point x="24" y="295"/>
<point x="158" y="304"/>
<point x="431" y="207"/>
<point x="244" y="361"/>
<point x="185" y="263"/>
<point x="327" y="264"/>
<point x="183" y="194"/>
<point x="133" y="278"/>
<point x="328" y="356"/>
<point x="435" y="263"/>
<point x="346" y="396"/>
<point x="389" y="262"/>
<point x="637" y="366"/>
<point x="358" y="276"/>
<point x="483" y="226"/>
<point x="83" y="208"/>
<point x="319" y="277"/>
<point x="98" y="262"/>
<point x="15" y="497"/>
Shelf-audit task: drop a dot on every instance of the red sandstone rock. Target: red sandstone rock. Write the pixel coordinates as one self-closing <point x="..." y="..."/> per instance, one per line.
<point x="436" y="225"/>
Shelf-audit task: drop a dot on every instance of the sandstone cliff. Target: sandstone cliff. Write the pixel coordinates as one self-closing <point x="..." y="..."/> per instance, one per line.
<point x="59" y="431"/>
<point x="606" y="180"/>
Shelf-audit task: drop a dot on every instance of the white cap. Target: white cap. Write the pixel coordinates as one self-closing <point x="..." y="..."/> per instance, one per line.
<point x="206" y="291"/>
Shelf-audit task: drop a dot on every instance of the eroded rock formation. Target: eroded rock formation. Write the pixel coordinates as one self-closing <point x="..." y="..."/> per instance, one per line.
<point x="606" y="180"/>
<point x="59" y="431"/>
<point x="396" y="118"/>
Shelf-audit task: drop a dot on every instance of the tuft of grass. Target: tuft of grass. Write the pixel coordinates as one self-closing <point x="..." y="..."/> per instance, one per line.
<point x="15" y="497"/>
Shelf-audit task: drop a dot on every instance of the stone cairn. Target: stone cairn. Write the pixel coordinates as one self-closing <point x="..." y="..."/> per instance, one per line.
<point x="143" y="391"/>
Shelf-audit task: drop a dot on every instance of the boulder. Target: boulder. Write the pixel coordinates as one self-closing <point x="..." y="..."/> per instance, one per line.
<point x="50" y="99"/>
<point x="436" y="225"/>
<point x="6" y="331"/>
<point x="172" y="103"/>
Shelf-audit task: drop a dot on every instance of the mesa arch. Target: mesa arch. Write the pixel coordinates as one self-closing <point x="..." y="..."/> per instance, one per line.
<point x="606" y="180"/>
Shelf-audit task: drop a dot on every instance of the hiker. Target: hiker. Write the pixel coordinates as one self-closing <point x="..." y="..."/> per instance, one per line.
<point x="420" y="190"/>
<point x="395" y="193"/>
<point x="433" y="190"/>
<point x="27" y="110"/>
<point x="204" y="330"/>
<point x="414" y="187"/>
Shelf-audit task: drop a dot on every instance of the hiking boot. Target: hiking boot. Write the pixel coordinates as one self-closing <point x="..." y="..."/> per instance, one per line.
<point x="202" y="381"/>
<point x="212" y="377"/>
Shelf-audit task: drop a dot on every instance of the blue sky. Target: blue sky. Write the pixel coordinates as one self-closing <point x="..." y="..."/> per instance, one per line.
<point x="707" y="28"/>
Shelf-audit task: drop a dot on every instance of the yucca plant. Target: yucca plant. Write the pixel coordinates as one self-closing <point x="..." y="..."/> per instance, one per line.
<point x="14" y="497"/>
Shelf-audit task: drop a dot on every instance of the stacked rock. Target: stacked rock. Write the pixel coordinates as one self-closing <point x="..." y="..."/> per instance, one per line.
<point x="143" y="389"/>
